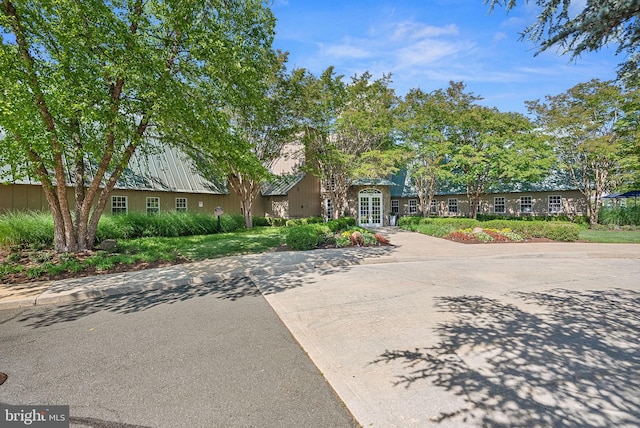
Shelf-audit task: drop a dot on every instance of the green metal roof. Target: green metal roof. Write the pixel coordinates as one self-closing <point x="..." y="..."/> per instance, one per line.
<point x="554" y="181"/>
<point x="164" y="169"/>
<point x="372" y="182"/>
<point x="282" y="185"/>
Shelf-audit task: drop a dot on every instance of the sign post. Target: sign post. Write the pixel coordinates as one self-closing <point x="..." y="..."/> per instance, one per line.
<point x="218" y="211"/>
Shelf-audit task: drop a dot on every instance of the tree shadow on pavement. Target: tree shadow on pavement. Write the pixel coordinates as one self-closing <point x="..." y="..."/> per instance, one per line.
<point x="230" y="289"/>
<point x="575" y="364"/>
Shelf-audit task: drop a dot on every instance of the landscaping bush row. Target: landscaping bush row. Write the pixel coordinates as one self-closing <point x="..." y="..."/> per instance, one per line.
<point x="35" y="228"/>
<point x="169" y="224"/>
<point x="440" y="227"/>
<point x="307" y="236"/>
<point x="619" y="216"/>
<point x="334" y="232"/>
<point x="581" y="220"/>
<point x="26" y="228"/>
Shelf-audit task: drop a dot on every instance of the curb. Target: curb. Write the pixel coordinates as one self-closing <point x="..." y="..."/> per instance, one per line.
<point x="117" y="284"/>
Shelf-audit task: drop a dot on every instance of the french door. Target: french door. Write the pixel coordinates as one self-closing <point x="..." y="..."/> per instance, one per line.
<point x="370" y="208"/>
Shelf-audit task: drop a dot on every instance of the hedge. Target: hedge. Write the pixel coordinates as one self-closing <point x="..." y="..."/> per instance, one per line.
<point x="306" y="237"/>
<point x="440" y="227"/>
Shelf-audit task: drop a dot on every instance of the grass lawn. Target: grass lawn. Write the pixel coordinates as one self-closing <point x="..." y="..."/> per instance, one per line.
<point x="611" y="236"/>
<point x="200" y="247"/>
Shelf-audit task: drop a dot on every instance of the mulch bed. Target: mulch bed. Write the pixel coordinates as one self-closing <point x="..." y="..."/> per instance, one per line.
<point x="28" y="262"/>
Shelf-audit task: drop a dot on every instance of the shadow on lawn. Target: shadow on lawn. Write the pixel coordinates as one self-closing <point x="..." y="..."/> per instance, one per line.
<point x="577" y="364"/>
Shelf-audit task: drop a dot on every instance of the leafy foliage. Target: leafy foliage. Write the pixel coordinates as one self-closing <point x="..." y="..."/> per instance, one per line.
<point x="582" y="126"/>
<point x="36" y="228"/>
<point x="441" y="227"/>
<point x="85" y="85"/>
<point x="341" y="124"/>
<point x="620" y="216"/>
<point x="306" y="237"/>
<point x="26" y="228"/>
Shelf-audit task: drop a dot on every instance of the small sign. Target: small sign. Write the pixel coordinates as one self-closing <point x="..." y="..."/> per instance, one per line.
<point x="200" y="204"/>
<point x="218" y="211"/>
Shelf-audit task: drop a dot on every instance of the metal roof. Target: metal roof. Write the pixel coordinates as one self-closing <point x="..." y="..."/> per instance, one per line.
<point x="553" y="181"/>
<point x="164" y="169"/>
<point x="372" y="182"/>
<point x="283" y="185"/>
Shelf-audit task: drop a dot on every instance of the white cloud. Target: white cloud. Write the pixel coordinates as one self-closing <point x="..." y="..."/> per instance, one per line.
<point x="411" y="30"/>
<point x="345" y="50"/>
<point x="428" y="52"/>
<point x="501" y="35"/>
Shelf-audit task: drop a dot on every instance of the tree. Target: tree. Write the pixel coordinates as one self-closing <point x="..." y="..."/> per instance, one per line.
<point x="598" y="24"/>
<point x="260" y="128"/>
<point x="87" y="84"/>
<point x="423" y="123"/>
<point x="490" y="148"/>
<point x="341" y="123"/>
<point x="582" y="125"/>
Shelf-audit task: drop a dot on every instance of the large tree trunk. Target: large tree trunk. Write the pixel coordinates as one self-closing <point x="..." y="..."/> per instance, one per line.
<point x="247" y="190"/>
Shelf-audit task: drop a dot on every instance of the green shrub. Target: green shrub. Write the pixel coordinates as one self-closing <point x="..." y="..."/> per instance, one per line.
<point x="169" y="224"/>
<point x="306" y="237"/>
<point x="26" y="228"/>
<point x="620" y="216"/>
<point x="269" y="221"/>
<point x="231" y="223"/>
<point x="557" y="231"/>
<point x="408" y="221"/>
<point x="342" y="223"/>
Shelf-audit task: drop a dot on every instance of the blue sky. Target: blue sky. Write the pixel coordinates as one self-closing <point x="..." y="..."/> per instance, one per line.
<point x="427" y="43"/>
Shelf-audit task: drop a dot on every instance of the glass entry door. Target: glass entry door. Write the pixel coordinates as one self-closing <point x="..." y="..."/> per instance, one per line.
<point x="370" y="208"/>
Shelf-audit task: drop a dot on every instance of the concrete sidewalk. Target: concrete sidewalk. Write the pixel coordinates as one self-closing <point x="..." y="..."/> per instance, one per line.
<point x="194" y="274"/>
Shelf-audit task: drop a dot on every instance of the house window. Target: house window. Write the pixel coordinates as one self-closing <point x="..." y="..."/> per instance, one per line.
<point x="395" y="206"/>
<point x="555" y="204"/>
<point x="453" y="205"/>
<point x="153" y="205"/>
<point x="498" y="205"/>
<point x="433" y="207"/>
<point x="413" y="206"/>
<point x="330" y="184"/>
<point x="119" y="205"/>
<point x="329" y="206"/>
<point x="181" y="204"/>
<point x="525" y="204"/>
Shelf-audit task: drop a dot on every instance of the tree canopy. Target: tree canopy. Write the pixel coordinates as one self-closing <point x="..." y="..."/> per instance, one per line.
<point x="583" y="125"/>
<point x="343" y="125"/>
<point x="86" y="84"/>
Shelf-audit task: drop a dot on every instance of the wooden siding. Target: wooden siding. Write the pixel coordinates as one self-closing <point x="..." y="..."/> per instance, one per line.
<point x="23" y="197"/>
<point x="302" y="201"/>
